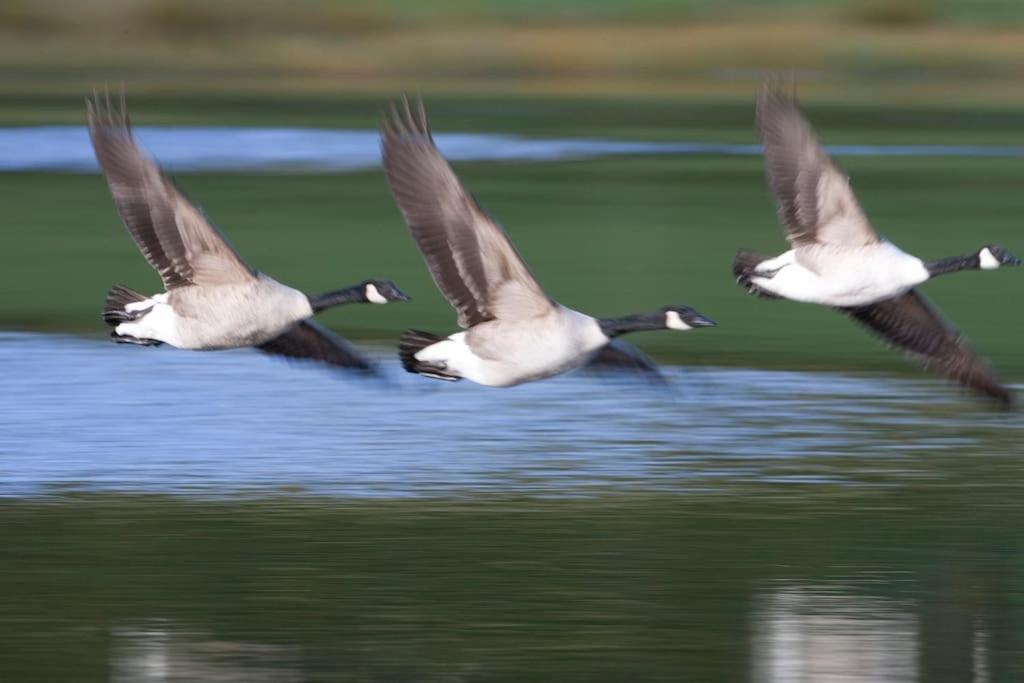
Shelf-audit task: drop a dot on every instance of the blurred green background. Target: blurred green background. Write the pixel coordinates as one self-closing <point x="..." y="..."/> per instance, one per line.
<point x="607" y="236"/>
<point x="908" y="49"/>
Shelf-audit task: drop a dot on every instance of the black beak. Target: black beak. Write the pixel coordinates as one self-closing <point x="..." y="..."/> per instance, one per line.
<point x="399" y="295"/>
<point x="1004" y="257"/>
<point x="698" y="320"/>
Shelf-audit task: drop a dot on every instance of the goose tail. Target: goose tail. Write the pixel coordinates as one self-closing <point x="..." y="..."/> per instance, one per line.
<point x="115" y="307"/>
<point x="743" y="267"/>
<point x="411" y="343"/>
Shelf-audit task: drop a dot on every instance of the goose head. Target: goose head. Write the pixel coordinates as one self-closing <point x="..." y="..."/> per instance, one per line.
<point x="993" y="256"/>
<point x="684" y="318"/>
<point x="667" y="318"/>
<point x="382" y="292"/>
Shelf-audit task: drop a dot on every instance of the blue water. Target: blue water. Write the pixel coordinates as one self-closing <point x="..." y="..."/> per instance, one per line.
<point x="86" y="413"/>
<point x="67" y="148"/>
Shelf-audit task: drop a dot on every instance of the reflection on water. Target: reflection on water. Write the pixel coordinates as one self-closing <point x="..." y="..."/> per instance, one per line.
<point x="162" y="653"/>
<point x="834" y="634"/>
<point x="67" y="148"/>
<point x="829" y="636"/>
<point x="95" y="415"/>
<point x="883" y="585"/>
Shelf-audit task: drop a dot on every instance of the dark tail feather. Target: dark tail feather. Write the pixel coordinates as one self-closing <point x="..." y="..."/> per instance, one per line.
<point x="746" y="261"/>
<point x="411" y="343"/>
<point x="117" y="298"/>
<point x="138" y="341"/>
<point x="743" y="267"/>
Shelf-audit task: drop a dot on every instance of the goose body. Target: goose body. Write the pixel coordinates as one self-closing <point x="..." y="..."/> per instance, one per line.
<point x="513" y="332"/>
<point x="223" y="317"/>
<point x="840" y="276"/>
<point x="837" y="259"/>
<point x="212" y="299"/>
<point x="502" y="353"/>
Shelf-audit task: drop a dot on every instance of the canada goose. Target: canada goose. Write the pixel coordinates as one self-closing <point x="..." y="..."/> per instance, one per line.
<point x="514" y="332"/>
<point x="213" y="299"/>
<point x="838" y="260"/>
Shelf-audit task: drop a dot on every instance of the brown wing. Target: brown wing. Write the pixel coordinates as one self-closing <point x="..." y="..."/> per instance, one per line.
<point x="469" y="256"/>
<point x="618" y="356"/>
<point x="171" y="232"/>
<point x="814" y="198"/>
<point x="909" y="322"/>
<point x="311" y="341"/>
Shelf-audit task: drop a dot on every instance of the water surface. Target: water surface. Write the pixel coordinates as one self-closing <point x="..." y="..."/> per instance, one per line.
<point x="197" y="148"/>
<point x="179" y="516"/>
<point x="96" y="415"/>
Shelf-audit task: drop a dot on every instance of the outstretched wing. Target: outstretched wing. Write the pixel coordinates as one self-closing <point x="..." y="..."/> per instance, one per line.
<point x="469" y="256"/>
<point x="172" y="233"/>
<point x="815" y="201"/>
<point x="910" y="323"/>
<point x="311" y="341"/>
<point x="618" y="356"/>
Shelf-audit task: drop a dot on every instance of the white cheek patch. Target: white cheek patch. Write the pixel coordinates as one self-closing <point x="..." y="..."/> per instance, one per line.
<point x="987" y="260"/>
<point x="374" y="296"/>
<point x="674" y="322"/>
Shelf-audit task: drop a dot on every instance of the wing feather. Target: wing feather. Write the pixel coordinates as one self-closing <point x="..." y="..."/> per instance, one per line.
<point x="311" y="341"/>
<point x="618" y="356"/>
<point x="468" y="254"/>
<point x="815" y="201"/>
<point x="910" y="323"/>
<point x="172" y="233"/>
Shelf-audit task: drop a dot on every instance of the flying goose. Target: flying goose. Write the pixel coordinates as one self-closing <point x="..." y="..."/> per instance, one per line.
<point x="213" y="299"/>
<point x="838" y="260"/>
<point x="514" y="332"/>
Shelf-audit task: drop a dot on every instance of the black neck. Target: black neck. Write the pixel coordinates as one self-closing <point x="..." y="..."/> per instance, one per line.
<point x="613" y="327"/>
<point x="953" y="264"/>
<point x="356" y="294"/>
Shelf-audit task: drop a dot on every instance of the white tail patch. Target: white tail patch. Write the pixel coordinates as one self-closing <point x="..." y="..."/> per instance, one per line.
<point x="771" y="265"/>
<point x="160" y="324"/>
<point x="444" y="350"/>
<point x="143" y="305"/>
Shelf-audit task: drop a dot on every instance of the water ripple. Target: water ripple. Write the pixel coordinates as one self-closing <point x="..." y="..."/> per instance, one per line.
<point x="89" y="414"/>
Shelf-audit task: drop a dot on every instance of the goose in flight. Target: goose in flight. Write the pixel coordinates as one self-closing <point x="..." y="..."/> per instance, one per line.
<point x="212" y="298"/>
<point x="514" y="332"/>
<point x="837" y="259"/>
